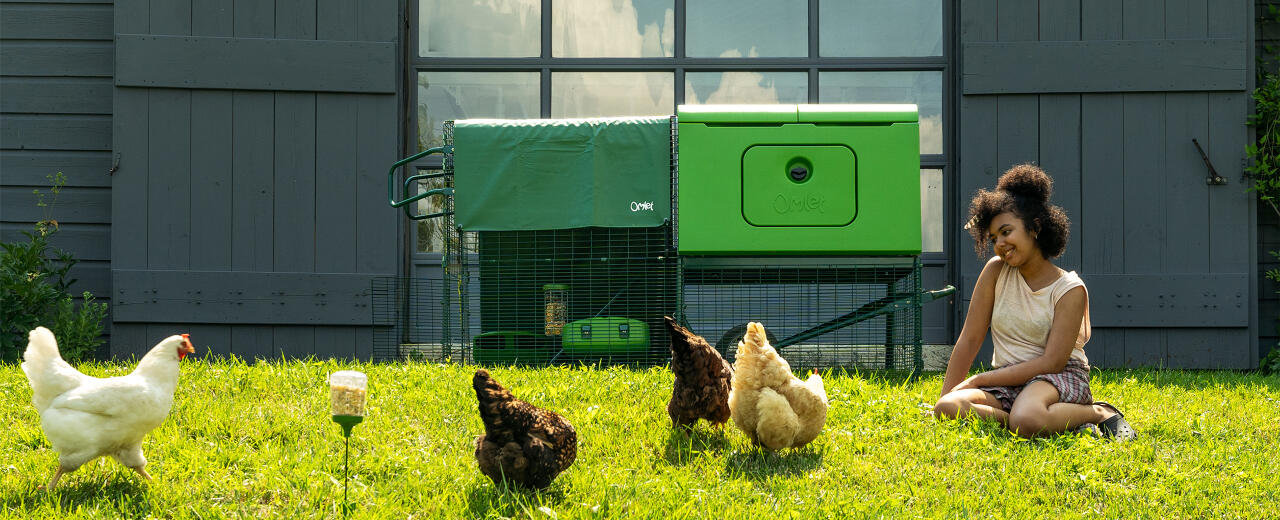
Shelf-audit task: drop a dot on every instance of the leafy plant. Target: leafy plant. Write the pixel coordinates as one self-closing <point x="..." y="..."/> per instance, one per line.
<point x="1265" y="150"/>
<point x="34" y="291"/>
<point x="1264" y="169"/>
<point x="1270" y="363"/>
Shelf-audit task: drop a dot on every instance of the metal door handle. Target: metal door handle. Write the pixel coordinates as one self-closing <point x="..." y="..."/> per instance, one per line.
<point x="1213" y="179"/>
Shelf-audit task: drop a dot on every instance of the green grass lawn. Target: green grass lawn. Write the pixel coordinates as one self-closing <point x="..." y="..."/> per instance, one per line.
<point x="255" y="440"/>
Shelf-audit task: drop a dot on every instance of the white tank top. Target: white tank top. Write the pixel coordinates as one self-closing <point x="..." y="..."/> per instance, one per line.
<point x="1021" y="318"/>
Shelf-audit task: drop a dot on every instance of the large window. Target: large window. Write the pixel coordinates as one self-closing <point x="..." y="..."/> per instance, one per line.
<point x="585" y="58"/>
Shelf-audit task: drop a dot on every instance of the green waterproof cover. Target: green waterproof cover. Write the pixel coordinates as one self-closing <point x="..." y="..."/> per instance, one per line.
<point x="529" y="174"/>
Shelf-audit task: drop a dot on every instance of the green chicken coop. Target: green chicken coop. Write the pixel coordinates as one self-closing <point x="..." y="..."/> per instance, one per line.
<point x="567" y="241"/>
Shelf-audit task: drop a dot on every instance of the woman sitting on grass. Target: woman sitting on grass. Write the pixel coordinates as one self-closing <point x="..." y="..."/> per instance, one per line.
<point x="1038" y="315"/>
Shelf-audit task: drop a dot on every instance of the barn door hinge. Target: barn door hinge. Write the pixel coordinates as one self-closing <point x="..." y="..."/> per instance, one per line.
<point x="115" y="164"/>
<point x="1213" y="179"/>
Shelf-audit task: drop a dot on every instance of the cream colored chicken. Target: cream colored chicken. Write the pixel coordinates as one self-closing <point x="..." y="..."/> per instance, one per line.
<point x="88" y="417"/>
<point x="771" y="405"/>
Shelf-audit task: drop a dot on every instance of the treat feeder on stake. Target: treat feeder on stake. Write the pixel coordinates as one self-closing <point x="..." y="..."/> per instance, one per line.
<point x="347" y="392"/>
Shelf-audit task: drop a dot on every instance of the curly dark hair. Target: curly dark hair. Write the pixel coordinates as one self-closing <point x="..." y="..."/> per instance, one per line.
<point x="1024" y="190"/>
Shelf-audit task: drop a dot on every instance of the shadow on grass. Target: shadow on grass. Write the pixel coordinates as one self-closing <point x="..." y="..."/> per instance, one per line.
<point x="684" y="445"/>
<point x="126" y="497"/>
<point x="491" y="500"/>
<point x="758" y="464"/>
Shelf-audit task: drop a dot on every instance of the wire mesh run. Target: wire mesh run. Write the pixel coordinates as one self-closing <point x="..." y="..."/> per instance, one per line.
<point x="417" y="319"/>
<point x="865" y="315"/>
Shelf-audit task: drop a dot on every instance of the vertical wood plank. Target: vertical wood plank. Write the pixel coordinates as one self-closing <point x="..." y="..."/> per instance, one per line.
<point x="295" y="176"/>
<point x="978" y="167"/>
<point x="1187" y="118"/>
<point x="1017" y="116"/>
<point x="336" y="119"/>
<point x="1233" y="212"/>
<point x="1060" y="127"/>
<point x="169" y="190"/>
<point x="211" y="153"/>
<point x="251" y="342"/>
<point x="252" y="181"/>
<point x="129" y="144"/>
<point x="210" y="341"/>
<point x="1144" y="211"/>
<point x="293" y="341"/>
<point x="378" y="246"/>
<point x="129" y="183"/>
<point x="169" y="136"/>
<point x="253" y="190"/>
<point x="128" y="341"/>
<point x="1101" y="228"/>
<point x="295" y="182"/>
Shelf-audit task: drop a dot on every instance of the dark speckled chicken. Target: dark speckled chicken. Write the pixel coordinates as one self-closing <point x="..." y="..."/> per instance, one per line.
<point x="702" y="379"/>
<point x="522" y="443"/>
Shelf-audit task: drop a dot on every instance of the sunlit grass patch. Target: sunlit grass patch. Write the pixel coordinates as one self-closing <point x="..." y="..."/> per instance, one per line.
<point x="255" y="440"/>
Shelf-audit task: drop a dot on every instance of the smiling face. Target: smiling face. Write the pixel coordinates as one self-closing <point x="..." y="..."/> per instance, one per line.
<point x="1011" y="239"/>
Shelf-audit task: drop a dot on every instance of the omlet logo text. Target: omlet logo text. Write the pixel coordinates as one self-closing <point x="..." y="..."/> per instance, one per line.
<point x="799" y="204"/>
<point x="641" y="206"/>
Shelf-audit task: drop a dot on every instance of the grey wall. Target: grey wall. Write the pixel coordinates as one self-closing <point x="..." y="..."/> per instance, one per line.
<point x="1107" y="95"/>
<point x="55" y="115"/>
<point x="250" y="204"/>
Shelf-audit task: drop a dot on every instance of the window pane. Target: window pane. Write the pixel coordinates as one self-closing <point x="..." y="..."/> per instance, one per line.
<point x="745" y="87"/>
<point x="604" y="94"/>
<point x="931" y="210"/>
<point x="443" y="96"/>
<point x="618" y="29"/>
<point x="922" y="88"/>
<point x="492" y="28"/>
<point x="746" y="28"/>
<point x="880" y="28"/>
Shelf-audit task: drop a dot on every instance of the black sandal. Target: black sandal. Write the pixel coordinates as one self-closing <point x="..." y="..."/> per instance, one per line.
<point x="1116" y="427"/>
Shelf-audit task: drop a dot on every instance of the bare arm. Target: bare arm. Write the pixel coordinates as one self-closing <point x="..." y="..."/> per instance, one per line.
<point x="976" y="322"/>
<point x="1067" y="316"/>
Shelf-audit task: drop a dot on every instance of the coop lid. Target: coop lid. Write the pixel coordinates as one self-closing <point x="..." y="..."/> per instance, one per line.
<point x="736" y="113"/>
<point x="773" y="114"/>
<point x="856" y="113"/>
<point x="533" y="174"/>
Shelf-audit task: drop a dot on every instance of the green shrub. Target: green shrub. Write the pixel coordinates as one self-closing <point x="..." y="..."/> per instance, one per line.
<point x="1264" y="169"/>
<point x="34" y="285"/>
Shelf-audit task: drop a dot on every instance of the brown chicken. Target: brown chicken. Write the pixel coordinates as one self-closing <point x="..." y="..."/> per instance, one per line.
<point x="701" y="389"/>
<point x="522" y="443"/>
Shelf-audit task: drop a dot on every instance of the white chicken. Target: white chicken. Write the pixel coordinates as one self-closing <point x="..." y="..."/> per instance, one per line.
<point x="88" y="417"/>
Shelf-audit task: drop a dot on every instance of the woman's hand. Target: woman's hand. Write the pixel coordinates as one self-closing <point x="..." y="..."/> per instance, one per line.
<point x="971" y="382"/>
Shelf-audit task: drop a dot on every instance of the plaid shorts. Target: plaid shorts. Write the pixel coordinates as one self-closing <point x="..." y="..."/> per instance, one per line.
<point x="1072" y="384"/>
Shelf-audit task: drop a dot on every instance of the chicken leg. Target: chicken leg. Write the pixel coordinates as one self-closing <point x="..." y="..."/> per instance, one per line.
<point x="56" y="475"/>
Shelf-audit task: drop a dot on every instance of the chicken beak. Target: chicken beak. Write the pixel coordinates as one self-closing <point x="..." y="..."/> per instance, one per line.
<point x="187" y="348"/>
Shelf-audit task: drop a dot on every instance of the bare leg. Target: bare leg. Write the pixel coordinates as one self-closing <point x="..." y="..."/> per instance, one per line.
<point x="142" y="472"/>
<point x="56" y="475"/>
<point x="1038" y="412"/>
<point x="971" y="402"/>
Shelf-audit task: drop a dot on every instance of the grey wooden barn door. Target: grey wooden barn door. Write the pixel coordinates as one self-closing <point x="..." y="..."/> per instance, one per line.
<point x="248" y="206"/>
<point x="1107" y="96"/>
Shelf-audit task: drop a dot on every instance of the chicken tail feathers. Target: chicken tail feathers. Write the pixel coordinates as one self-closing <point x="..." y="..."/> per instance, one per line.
<point x="778" y="423"/>
<point x="488" y="389"/>
<point x="49" y="375"/>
